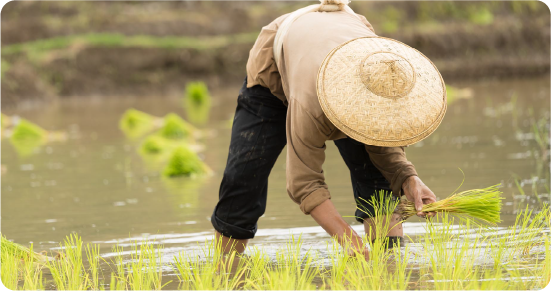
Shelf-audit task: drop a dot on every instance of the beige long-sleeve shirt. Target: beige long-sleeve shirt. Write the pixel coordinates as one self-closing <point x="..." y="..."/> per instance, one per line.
<point x="310" y="38"/>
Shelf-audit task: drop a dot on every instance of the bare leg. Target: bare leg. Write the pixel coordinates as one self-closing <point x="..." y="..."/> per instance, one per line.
<point x="327" y="216"/>
<point x="394" y="227"/>
<point x="230" y="244"/>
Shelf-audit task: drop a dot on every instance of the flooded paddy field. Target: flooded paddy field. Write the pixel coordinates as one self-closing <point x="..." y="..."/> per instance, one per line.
<point x="97" y="184"/>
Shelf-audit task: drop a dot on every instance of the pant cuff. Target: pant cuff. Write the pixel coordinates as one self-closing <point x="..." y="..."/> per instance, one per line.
<point x="232" y="231"/>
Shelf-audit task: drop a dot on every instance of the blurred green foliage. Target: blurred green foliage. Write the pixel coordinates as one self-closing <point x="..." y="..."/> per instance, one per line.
<point x="153" y="145"/>
<point x="184" y="162"/>
<point x="27" y="136"/>
<point x="135" y="123"/>
<point x="197" y="102"/>
<point x="175" y="127"/>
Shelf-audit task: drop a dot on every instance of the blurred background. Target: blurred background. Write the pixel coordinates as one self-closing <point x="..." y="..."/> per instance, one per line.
<point x="59" y="49"/>
<point x="77" y="158"/>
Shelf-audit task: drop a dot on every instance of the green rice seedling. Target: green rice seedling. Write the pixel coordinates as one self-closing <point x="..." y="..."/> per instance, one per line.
<point x="174" y="127"/>
<point x="292" y="271"/>
<point x="28" y="131"/>
<point x="334" y="277"/>
<point x="545" y="275"/>
<point x="9" y="266"/>
<point x="377" y="273"/>
<point x="481" y="206"/>
<point x="27" y="136"/>
<point x="210" y="270"/>
<point x="68" y="271"/>
<point x="184" y="162"/>
<point x="118" y="278"/>
<point x="93" y="258"/>
<point x="9" y="247"/>
<point x="135" y="123"/>
<point x="522" y="236"/>
<point x="154" y="145"/>
<point x="144" y="268"/>
<point x="489" y="280"/>
<point x="32" y="272"/>
<point x="451" y="253"/>
<point x="257" y="263"/>
<point x="197" y="102"/>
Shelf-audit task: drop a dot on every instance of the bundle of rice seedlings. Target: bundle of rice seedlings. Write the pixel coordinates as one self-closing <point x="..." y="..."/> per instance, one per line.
<point x="26" y="131"/>
<point x="27" y="136"/>
<point x="21" y="252"/>
<point x="197" y="102"/>
<point x="176" y="128"/>
<point x="135" y="123"/>
<point x="184" y="162"/>
<point x="153" y="145"/>
<point x="482" y="206"/>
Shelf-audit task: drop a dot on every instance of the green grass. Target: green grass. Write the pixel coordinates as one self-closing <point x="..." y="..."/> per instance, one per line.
<point x="197" y="102"/>
<point x="184" y="162"/>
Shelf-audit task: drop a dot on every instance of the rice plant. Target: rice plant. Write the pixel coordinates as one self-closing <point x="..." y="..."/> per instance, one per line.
<point x="135" y="123"/>
<point x="27" y="136"/>
<point x="450" y="253"/>
<point x="197" y="102"/>
<point x="93" y="258"/>
<point x="381" y="271"/>
<point x="68" y="270"/>
<point x="154" y="145"/>
<point x="184" y="162"/>
<point x="9" y="247"/>
<point x="210" y="269"/>
<point x="482" y="206"/>
<point x="174" y="127"/>
<point x="144" y="267"/>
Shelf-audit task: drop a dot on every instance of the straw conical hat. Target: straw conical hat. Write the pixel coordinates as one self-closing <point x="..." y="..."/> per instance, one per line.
<point x="381" y="92"/>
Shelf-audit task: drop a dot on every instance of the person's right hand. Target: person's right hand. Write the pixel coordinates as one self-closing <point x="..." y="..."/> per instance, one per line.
<point x="416" y="191"/>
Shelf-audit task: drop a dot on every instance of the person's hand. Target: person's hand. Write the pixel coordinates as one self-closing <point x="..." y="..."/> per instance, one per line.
<point x="416" y="191"/>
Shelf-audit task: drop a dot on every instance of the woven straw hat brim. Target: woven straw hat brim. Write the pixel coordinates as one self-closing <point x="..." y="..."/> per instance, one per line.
<point x="360" y="102"/>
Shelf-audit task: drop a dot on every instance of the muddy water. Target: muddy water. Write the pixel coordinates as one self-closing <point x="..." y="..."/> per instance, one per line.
<point x="97" y="185"/>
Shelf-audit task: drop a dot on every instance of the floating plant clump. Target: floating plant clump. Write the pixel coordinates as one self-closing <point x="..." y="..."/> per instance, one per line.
<point x="197" y="102"/>
<point x="28" y="131"/>
<point x="176" y="128"/>
<point x="135" y="123"/>
<point x="184" y="162"/>
<point x="479" y="205"/>
<point x="153" y="145"/>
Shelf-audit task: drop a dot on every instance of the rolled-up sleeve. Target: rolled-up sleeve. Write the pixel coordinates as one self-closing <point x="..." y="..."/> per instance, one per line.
<point x="393" y="164"/>
<point x="306" y="138"/>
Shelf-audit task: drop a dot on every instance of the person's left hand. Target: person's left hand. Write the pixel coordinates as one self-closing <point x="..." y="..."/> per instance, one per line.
<point x="416" y="191"/>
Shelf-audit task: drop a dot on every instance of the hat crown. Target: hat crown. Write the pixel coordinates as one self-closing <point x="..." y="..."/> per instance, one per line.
<point x="387" y="74"/>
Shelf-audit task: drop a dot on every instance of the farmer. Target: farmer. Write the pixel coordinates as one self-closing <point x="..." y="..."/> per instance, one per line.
<point x="318" y="74"/>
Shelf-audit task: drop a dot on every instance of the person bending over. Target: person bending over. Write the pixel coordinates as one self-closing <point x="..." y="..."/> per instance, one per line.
<point x="318" y="74"/>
